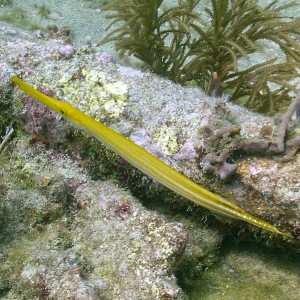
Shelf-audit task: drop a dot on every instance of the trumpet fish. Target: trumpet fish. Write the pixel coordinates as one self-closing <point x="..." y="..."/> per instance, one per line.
<point x="148" y="163"/>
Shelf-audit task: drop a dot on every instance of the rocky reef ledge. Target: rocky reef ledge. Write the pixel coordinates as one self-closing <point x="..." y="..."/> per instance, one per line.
<point x="67" y="232"/>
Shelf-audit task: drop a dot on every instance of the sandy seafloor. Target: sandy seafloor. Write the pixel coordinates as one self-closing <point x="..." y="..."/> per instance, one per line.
<point x="239" y="265"/>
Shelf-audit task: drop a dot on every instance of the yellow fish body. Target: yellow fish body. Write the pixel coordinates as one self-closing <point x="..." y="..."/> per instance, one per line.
<point x="146" y="162"/>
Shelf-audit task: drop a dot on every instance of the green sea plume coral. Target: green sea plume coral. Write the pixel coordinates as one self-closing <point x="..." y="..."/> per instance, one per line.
<point x="161" y="39"/>
<point x="205" y="46"/>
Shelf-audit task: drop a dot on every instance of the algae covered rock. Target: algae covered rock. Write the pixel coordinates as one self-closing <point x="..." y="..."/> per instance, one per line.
<point x="64" y="235"/>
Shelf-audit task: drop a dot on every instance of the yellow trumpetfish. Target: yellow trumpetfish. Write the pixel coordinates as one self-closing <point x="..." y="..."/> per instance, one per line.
<point x="146" y="162"/>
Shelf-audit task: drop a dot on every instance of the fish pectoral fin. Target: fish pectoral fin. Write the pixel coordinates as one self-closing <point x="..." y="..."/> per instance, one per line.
<point x="222" y="219"/>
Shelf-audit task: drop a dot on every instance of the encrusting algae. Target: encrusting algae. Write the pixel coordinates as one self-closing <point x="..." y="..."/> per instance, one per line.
<point x="146" y="162"/>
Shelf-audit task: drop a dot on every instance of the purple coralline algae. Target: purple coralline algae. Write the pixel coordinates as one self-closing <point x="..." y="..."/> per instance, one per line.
<point x="66" y="51"/>
<point x="218" y="165"/>
<point x="41" y="122"/>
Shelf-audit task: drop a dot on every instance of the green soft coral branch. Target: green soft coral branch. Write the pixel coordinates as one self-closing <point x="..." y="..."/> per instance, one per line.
<point x="146" y="162"/>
